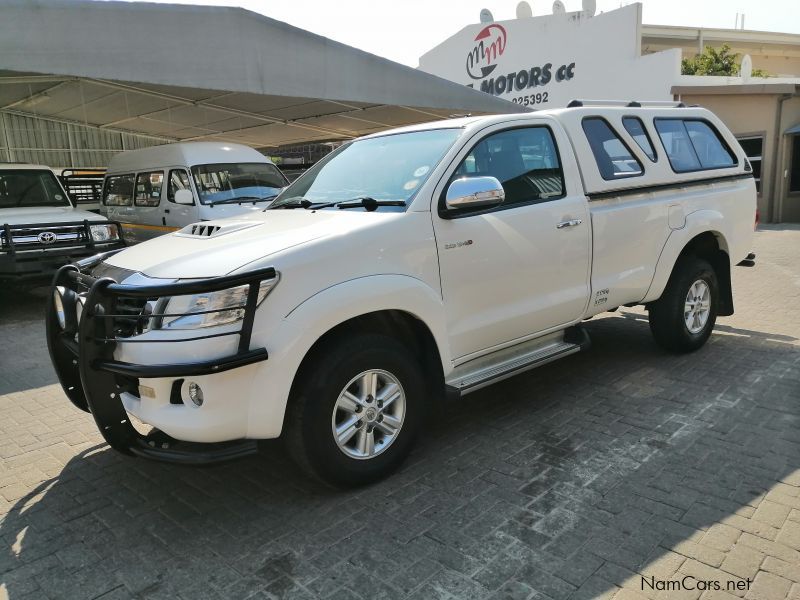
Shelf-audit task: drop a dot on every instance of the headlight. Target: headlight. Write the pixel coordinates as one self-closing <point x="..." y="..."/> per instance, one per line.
<point x="105" y="232"/>
<point x="195" y="309"/>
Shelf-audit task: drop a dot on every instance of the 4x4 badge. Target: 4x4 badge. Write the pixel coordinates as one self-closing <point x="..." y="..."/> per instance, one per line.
<point x="457" y="244"/>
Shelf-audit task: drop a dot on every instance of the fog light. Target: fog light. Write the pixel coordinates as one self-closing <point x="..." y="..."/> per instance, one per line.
<point x="59" y="306"/>
<point x="195" y="394"/>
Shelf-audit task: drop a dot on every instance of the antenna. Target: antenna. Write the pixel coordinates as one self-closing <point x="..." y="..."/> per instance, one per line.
<point x="589" y="7"/>
<point x="558" y="8"/>
<point x="486" y="16"/>
<point x="524" y="10"/>
<point x="742" y="23"/>
<point x="737" y="22"/>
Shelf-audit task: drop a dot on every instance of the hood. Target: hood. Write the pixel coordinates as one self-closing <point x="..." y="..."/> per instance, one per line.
<point x="45" y="214"/>
<point x="218" y="247"/>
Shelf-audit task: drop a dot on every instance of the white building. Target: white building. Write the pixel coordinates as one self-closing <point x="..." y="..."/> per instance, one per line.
<point x="547" y="61"/>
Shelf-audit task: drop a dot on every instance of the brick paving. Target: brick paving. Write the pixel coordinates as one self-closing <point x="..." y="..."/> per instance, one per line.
<point x="577" y="480"/>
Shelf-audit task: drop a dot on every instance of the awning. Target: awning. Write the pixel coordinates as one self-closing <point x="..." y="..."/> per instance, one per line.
<point x="200" y="73"/>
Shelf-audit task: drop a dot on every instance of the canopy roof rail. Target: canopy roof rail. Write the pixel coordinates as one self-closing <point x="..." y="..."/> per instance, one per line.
<point x="631" y="104"/>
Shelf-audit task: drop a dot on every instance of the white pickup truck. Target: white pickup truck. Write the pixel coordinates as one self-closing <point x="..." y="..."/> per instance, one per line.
<point x="407" y="265"/>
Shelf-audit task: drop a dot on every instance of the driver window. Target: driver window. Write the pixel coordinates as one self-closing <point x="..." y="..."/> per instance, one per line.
<point x="525" y="161"/>
<point x="178" y="180"/>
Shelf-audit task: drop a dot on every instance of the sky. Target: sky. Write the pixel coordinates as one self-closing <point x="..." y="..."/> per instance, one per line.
<point x="403" y="30"/>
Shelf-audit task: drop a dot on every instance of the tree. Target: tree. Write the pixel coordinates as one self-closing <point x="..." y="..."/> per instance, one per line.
<point x="716" y="62"/>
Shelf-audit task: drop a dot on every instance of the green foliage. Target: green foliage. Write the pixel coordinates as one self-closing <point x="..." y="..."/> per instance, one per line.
<point x="716" y="62"/>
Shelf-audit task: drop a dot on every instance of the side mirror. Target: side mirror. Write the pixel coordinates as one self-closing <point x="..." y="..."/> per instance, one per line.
<point x="184" y="197"/>
<point x="474" y="192"/>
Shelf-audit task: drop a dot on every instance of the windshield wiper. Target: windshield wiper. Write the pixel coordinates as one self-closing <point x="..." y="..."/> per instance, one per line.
<point x="369" y="203"/>
<point x="364" y="202"/>
<point x="293" y="202"/>
<point x="242" y="199"/>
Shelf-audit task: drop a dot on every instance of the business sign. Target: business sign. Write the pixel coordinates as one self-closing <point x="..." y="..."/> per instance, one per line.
<point x="482" y="61"/>
<point x="547" y="61"/>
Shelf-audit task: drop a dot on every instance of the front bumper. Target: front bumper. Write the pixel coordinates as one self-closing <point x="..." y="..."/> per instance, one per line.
<point x="82" y="352"/>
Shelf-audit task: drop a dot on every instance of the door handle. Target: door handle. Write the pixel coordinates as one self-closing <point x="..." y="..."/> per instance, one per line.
<point x="570" y="223"/>
<point x="166" y="210"/>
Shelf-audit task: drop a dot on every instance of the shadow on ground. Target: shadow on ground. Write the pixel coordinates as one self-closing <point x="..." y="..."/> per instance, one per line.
<point x="562" y="482"/>
<point x="22" y="326"/>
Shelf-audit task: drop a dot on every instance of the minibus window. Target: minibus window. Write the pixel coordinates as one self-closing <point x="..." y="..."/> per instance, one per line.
<point x="178" y="180"/>
<point x="118" y="190"/>
<point x="148" y="188"/>
<point x="231" y="182"/>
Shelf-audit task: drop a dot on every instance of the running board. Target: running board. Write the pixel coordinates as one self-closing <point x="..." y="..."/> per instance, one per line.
<point x="508" y="362"/>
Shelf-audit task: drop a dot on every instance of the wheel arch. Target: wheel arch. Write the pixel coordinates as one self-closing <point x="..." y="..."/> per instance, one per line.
<point x="704" y="241"/>
<point x="399" y="324"/>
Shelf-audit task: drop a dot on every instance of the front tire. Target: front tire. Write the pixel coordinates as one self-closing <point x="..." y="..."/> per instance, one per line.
<point x="683" y="318"/>
<point x="356" y="410"/>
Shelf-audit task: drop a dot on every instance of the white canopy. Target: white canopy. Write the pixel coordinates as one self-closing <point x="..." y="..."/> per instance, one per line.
<point x="202" y="73"/>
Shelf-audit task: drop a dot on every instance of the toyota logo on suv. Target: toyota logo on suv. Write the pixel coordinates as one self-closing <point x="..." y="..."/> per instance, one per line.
<point x="47" y="237"/>
<point x="490" y="44"/>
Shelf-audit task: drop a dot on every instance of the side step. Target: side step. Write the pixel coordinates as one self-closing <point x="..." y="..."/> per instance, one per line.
<point x="508" y="362"/>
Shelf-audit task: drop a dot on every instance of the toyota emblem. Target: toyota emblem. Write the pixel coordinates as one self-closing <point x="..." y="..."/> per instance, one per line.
<point x="47" y="237"/>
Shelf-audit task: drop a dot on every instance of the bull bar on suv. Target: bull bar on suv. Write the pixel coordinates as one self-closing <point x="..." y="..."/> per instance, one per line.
<point x="87" y="317"/>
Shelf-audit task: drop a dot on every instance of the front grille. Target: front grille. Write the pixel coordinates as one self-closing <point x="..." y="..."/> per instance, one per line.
<point x="132" y="316"/>
<point x="37" y="237"/>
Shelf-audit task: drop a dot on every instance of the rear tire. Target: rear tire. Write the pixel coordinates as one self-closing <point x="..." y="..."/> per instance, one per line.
<point x="683" y="318"/>
<point x="356" y="410"/>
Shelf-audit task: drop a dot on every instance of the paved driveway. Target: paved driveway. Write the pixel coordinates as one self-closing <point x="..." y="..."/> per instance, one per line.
<point x="571" y="481"/>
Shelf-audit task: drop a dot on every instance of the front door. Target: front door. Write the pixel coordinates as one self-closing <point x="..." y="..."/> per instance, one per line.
<point x="179" y="215"/>
<point x="522" y="267"/>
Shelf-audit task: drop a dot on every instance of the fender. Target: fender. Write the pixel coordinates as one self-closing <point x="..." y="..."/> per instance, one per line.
<point x="696" y="223"/>
<point x="299" y="330"/>
<point x="325" y="310"/>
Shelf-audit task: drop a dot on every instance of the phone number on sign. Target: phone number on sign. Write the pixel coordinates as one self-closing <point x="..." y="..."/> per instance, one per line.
<point x="539" y="98"/>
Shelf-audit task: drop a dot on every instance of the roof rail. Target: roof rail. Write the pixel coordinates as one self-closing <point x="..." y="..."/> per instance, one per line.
<point x="630" y="104"/>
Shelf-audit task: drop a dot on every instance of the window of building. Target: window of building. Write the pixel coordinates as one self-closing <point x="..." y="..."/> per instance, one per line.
<point x="794" y="171"/>
<point x="178" y="180"/>
<point x="753" y="147"/>
<point x="118" y="190"/>
<point x="148" y="188"/>
<point x="525" y="161"/>
<point x="635" y="127"/>
<point x="613" y="157"/>
<point x="693" y="145"/>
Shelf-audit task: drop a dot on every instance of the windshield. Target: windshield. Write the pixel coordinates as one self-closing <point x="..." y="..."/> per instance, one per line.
<point x="390" y="167"/>
<point x="230" y="182"/>
<point x="30" y="187"/>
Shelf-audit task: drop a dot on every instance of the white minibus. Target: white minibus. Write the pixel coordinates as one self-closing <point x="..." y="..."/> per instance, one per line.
<point x="159" y="189"/>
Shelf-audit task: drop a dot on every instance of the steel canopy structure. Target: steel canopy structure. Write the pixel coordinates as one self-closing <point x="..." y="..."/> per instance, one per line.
<point x="177" y="73"/>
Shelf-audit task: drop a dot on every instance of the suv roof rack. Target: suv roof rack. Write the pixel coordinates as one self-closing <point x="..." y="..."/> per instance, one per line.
<point x="631" y="104"/>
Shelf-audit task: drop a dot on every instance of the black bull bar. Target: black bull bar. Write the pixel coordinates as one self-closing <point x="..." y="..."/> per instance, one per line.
<point x="82" y="353"/>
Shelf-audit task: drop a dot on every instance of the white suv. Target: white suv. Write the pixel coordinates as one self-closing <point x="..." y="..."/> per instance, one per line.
<point x="406" y="265"/>
<point x="40" y="228"/>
